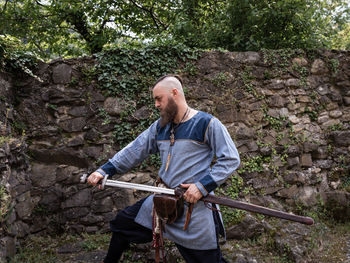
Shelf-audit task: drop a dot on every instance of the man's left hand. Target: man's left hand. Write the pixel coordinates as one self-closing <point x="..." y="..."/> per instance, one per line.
<point x="192" y="194"/>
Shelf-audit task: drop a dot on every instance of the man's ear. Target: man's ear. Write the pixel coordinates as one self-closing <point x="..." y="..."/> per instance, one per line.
<point x="174" y="92"/>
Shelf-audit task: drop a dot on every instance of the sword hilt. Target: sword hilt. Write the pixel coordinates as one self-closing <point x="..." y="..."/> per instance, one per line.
<point x="101" y="182"/>
<point x="179" y="191"/>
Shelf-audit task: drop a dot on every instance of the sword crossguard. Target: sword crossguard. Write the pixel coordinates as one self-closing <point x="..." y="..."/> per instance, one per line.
<point x="179" y="191"/>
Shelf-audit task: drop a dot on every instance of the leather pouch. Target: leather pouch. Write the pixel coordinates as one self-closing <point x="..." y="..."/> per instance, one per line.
<point x="168" y="207"/>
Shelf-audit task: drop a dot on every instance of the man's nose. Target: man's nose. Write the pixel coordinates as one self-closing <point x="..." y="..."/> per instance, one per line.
<point x="157" y="104"/>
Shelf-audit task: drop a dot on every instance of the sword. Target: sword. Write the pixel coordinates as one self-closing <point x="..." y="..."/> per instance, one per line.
<point x="207" y="199"/>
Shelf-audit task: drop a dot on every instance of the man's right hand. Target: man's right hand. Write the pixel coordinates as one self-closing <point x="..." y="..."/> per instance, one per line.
<point x="94" y="178"/>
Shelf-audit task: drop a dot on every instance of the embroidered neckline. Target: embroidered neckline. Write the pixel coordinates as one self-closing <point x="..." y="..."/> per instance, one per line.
<point x="174" y="128"/>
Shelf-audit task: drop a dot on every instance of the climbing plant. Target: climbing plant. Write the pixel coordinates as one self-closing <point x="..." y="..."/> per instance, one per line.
<point x="128" y="72"/>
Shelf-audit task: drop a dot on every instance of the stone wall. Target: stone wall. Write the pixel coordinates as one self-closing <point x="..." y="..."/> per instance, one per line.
<point x="289" y="115"/>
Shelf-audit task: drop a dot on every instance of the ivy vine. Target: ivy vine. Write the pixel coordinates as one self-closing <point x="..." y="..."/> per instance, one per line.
<point x="129" y="71"/>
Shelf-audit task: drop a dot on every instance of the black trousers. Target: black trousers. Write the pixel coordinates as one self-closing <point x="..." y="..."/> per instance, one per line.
<point x="126" y="231"/>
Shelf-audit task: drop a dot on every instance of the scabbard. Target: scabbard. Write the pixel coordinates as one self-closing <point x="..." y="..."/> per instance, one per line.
<point x="257" y="209"/>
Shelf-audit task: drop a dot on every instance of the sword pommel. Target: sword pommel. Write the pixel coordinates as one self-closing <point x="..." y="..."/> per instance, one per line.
<point x="83" y="178"/>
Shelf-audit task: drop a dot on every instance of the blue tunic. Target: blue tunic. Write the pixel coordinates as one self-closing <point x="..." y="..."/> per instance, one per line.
<point x="189" y="160"/>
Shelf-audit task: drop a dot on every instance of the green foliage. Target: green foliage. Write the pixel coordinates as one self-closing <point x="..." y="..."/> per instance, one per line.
<point x="103" y="114"/>
<point x="234" y="187"/>
<point x="254" y="24"/>
<point x="313" y="114"/>
<point x="122" y="69"/>
<point x="336" y="127"/>
<point x="128" y="72"/>
<point x="13" y="56"/>
<point x="65" y="28"/>
<point x="220" y="80"/>
<point x="334" y="66"/>
<point x="5" y="203"/>
<point x="276" y="123"/>
<point x="342" y="39"/>
<point x="44" y="248"/>
<point x="94" y="242"/>
<point x="253" y="164"/>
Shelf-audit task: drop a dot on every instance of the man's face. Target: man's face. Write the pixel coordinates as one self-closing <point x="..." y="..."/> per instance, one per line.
<point x="166" y="105"/>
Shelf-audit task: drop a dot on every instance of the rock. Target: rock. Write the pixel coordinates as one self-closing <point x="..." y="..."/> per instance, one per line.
<point x="20" y="229"/>
<point x="324" y="164"/>
<point x="335" y="113"/>
<point x="7" y="248"/>
<point x="292" y="241"/>
<point x="293" y="161"/>
<point x="265" y="151"/>
<point x="114" y="106"/>
<point x="248" y="228"/>
<point x="292" y="83"/>
<point x="300" y="61"/>
<point x="90" y="257"/>
<point x="69" y="174"/>
<point x="248" y="57"/>
<point x="91" y="219"/>
<point x="320" y="153"/>
<point x="43" y="175"/>
<point x="80" y="199"/>
<point x="319" y="67"/>
<point x="93" y="151"/>
<point x="80" y="111"/>
<point x="276" y="84"/>
<point x="142" y="113"/>
<point x="243" y="133"/>
<point x="92" y="135"/>
<point x="70" y="248"/>
<point x="102" y="205"/>
<point x="73" y="125"/>
<point x="295" y="178"/>
<point x="76" y="141"/>
<point x="307" y="195"/>
<point x="346" y="101"/>
<point x="309" y="147"/>
<point x="306" y="160"/>
<point x="294" y="119"/>
<point x="323" y="89"/>
<point x="123" y="198"/>
<point x="293" y="151"/>
<point x="338" y="204"/>
<point x="40" y="223"/>
<point x="60" y="156"/>
<point x="277" y="101"/>
<point x="75" y="213"/>
<point x="340" y="138"/>
<point x="61" y="74"/>
<point x="288" y="192"/>
<point x="24" y="209"/>
<point x="141" y="178"/>
<point x="51" y="200"/>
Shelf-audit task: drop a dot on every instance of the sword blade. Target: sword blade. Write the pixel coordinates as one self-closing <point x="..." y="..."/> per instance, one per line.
<point x="141" y="187"/>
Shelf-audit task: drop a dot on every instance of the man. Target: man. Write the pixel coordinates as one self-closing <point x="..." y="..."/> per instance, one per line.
<point x="187" y="140"/>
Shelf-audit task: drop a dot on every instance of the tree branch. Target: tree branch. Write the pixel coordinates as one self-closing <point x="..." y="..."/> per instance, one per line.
<point x="5" y="6"/>
<point x="156" y="21"/>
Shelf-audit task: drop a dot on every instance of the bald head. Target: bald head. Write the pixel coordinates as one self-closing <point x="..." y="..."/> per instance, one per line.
<point x="170" y="83"/>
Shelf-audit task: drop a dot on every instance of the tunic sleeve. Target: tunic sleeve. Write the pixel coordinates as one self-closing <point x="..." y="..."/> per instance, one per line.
<point x="133" y="154"/>
<point x="219" y="140"/>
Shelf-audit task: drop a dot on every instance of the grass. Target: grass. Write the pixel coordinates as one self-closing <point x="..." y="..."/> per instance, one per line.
<point x="326" y="242"/>
<point x="44" y="249"/>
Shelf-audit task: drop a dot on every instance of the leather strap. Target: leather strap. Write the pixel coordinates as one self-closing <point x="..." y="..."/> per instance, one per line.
<point x="188" y="216"/>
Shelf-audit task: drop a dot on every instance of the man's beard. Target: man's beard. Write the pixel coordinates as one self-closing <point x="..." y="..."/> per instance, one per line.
<point x="169" y="113"/>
